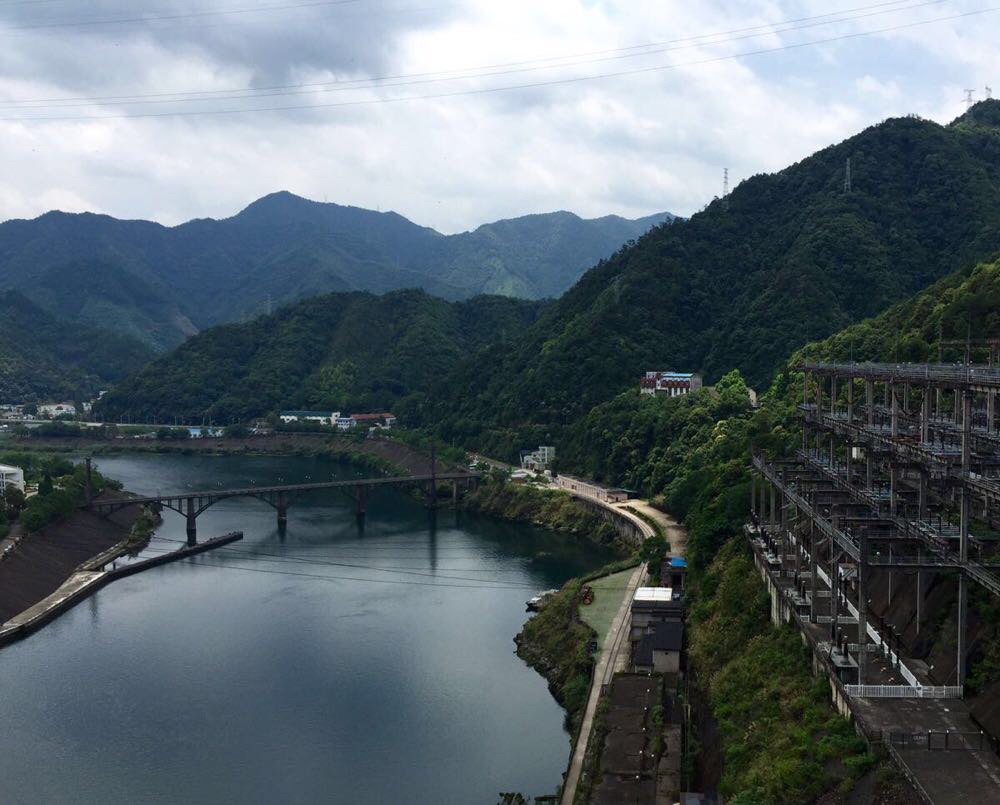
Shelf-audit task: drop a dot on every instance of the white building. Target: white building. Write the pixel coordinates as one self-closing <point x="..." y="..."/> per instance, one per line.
<point x="322" y="417"/>
<point x="11" y="476"/>
<point x="673" y="384"/>
<point x="538" y="459"/>
<point x="56" y="409"/>
<point x="344" y="422"/>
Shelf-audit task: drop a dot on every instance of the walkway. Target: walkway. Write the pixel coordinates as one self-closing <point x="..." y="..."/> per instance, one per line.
<point x="616" y="659"/>
<point x="672" y="530"/>
<point x="603" y="673"/>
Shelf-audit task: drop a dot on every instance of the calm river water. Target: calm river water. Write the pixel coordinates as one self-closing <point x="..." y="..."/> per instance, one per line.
<point x="339" y="662"/>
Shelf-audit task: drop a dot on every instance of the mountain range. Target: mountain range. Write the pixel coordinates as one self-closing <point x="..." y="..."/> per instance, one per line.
<point x="788" y="258"/>
<point x="161" y="284"/>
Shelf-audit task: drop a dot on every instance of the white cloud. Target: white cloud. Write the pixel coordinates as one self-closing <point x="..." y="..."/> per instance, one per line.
<point x="632" y="144"/>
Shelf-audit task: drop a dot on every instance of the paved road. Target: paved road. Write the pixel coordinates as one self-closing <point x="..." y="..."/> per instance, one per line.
<point x="614" y="655"/>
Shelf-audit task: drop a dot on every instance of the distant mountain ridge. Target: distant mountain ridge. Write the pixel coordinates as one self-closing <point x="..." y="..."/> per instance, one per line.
<point x="162" y="284"/>
<point x="43" y="357"/>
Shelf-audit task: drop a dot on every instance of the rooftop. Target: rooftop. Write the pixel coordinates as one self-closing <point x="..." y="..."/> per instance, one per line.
<point x="666" y="636"/>
<point x="653" y="594"/>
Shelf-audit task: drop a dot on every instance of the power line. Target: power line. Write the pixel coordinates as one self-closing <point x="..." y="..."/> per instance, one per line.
<point x="510" y="87"/>
<point x="275" y="557"/>
<point x="478" y="585"/>
<point x="182" y="15"/>
<point x="482" y="71"/>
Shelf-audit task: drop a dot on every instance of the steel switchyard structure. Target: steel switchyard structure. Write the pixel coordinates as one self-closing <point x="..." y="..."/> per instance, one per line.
<point x="897" y="479"/>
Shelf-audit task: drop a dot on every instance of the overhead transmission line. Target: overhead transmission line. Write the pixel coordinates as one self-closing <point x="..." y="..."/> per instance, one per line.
<point x="503" y="68"/>
<point x="277" y="557"/>
<point x="512" y="87"/>
<point x="181" y="15"/>
<point x="478" y="584"/>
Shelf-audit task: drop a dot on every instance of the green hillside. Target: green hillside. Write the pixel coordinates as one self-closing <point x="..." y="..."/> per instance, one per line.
<point x="162" y="284"/>
<point x="352" y="351"/>
<point x="791" y="259"/>
<point x="42" y="357"/>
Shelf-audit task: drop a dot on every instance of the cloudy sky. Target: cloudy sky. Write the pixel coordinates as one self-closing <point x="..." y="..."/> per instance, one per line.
<point x="455" y="113"/>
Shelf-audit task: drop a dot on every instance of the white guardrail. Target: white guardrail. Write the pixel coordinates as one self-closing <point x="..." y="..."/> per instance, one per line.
<point x="905" y="691"/>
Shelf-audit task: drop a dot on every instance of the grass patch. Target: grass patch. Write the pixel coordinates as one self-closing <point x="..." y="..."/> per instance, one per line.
<point x="608" y="594"/>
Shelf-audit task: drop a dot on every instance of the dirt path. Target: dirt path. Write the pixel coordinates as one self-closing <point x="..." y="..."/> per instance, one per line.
<point x="674" y="531"/>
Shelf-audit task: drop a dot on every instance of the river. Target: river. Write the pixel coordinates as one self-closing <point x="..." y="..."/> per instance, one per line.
<point x="339" y="662"/>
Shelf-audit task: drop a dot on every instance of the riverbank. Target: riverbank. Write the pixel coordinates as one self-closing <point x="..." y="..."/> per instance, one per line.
<point x="548" y="508"/>
<point x="556" y="643"/>
<point x="383" y="456"/>
<point x="43" y="560"/>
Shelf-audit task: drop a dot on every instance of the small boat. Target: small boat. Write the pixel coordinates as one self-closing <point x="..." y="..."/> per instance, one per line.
<point x="535" y="602"/>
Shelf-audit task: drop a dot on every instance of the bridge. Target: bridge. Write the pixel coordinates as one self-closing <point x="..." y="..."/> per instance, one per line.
<point x="280" y="497"/>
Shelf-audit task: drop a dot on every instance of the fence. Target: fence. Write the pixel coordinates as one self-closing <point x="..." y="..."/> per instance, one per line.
<point x="936" y="740"/>
<point x="904" y="691"/>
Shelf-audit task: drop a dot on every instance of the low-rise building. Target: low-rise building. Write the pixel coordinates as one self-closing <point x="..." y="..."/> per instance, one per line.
<point x="606" y="494"/>
<point x="322" y="417"/>
<point x="652" y="605"/>
<point x="344" y="422"/>
<point x="57" y="409"/>
<point x="672" y="384"/>
<point x="11" y="476"/>
<point x="375" y="420"/>
<point x="659" y="650"/>
<point x="673" y="572"/>
<point x="538" y="460"/>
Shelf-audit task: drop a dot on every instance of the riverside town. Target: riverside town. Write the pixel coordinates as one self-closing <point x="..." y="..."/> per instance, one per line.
<point x="520" y="404"/>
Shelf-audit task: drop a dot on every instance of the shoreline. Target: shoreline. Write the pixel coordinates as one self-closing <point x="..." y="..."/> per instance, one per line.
<point x="384" y="455"/>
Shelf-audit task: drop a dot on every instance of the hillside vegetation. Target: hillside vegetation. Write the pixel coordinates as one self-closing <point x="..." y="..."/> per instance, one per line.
<point x="162" y="284"/>
<point x="791" y="259"/>
<point x="42" y="357"/>
<point x="350" y="352"/>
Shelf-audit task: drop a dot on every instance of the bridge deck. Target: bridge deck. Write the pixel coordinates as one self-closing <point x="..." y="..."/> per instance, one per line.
<point x="263" y="490"/>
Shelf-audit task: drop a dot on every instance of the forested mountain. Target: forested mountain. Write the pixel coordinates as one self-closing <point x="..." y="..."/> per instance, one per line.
<point x="790" y="258"/>
<point x="42" y="357"/>
<point x="162" y="284"/>
<point x="345" y="351"/>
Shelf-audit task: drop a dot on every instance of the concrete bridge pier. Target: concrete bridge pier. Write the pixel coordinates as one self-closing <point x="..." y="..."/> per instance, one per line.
<point x="192" y="527"/>
<point x="282" y="507"/>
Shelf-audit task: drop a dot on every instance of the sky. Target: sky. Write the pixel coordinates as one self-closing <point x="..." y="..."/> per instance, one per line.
<point x="455" y="113"/>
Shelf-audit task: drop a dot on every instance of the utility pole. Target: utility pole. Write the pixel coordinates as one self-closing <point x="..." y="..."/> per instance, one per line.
<point x="989" y="92"/>
<point x="847" y="176"/>
<point x="725" y="188"/>
<point x="968" y="99"/>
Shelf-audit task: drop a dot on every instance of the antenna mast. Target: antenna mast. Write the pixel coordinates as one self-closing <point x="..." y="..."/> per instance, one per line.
<point x="989" y="92"/>
<point x="725" y="188"/>
<point x="968" y="99"/>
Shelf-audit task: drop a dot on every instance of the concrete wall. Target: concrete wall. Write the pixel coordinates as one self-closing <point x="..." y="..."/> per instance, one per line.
<point x="628" y="529"/>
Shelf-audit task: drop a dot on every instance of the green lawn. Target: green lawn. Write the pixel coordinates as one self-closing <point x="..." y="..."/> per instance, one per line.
<point x="608" y="594"/>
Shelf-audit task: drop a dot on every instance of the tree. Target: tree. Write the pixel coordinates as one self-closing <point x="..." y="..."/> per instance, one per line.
<point x="13" y="502"/>
<point x="45" y="485"/>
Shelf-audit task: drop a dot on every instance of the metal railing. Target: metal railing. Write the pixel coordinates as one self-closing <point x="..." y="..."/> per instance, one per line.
<point x="958" y="374"/>
<point x="905" y="691"/>
<point x="937" y="740"/>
